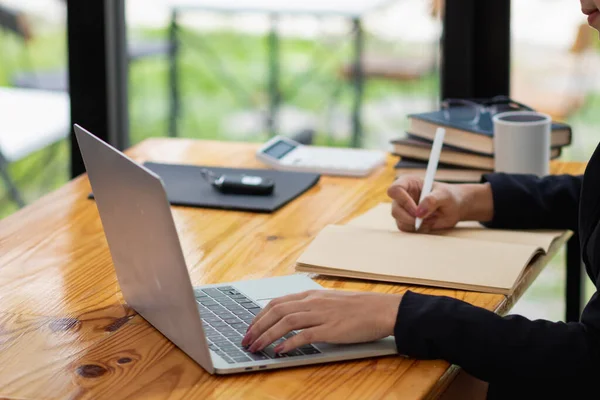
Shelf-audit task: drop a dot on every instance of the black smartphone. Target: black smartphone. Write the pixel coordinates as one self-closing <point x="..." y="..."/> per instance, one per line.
<point x="244" y="184"/>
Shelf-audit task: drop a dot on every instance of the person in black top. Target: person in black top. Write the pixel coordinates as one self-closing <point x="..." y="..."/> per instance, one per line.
<point x="516" y="356"/>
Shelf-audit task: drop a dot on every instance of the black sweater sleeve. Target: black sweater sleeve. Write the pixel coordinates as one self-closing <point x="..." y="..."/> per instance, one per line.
<point x="504" y="351"/>
<point x="510" y="350"/>
<point x="529" y="202"/>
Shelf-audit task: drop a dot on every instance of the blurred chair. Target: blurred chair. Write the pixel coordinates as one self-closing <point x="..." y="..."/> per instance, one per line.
<point x="402" y="69"/>
<point x="30" y="119"/>
<point x="399" y="69"/>
<point x="16" y="23"/>
<point x="29" y="77"/>
<point x="58" y="80"/>
<point x="378" y="66"/>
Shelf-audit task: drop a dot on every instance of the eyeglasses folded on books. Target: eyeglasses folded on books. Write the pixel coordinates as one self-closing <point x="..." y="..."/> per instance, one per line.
<point x="470" y="111"/>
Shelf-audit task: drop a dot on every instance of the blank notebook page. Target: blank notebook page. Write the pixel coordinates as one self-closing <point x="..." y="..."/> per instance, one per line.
<point x="416" y="258"/>
<point x="380" y="218"/>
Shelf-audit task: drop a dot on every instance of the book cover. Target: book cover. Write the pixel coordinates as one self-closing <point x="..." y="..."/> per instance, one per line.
<point x="484" y="127"/>
<point x="473" y="137"/>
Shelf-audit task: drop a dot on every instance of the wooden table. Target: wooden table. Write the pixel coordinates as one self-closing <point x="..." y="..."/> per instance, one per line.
<point x="65" y="331"/>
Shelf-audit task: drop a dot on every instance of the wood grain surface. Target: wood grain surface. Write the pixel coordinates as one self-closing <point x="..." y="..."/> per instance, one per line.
<point x="65" y="331"/>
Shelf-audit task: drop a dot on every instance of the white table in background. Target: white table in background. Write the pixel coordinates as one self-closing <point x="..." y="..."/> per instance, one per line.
<point x="30" y="120"/>
<point x="354" y="10"/>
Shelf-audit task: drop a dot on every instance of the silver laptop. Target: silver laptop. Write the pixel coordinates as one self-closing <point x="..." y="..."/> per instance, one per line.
<point x="206" y="322"/>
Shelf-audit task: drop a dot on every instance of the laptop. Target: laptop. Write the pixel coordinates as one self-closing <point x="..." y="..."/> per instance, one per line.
<point x="206" y="322"/>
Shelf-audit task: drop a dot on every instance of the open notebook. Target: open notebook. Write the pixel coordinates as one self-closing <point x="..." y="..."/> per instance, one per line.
<point x="469" y="256"/>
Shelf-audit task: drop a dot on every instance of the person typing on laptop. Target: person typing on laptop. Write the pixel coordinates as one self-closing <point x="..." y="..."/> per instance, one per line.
<point x="508" y="352"/>
<point x="516" y="356"/>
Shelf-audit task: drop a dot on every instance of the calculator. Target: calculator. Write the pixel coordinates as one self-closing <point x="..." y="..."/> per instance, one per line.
<point x="286" y="154"/>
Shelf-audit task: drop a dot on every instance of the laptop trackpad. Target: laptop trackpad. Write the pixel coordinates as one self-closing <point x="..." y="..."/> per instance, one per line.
<point x="264" y="290"/>
<point x="263" y="302"/>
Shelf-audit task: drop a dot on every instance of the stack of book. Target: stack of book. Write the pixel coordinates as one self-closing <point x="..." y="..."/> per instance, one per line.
<point x="468" y="150"/>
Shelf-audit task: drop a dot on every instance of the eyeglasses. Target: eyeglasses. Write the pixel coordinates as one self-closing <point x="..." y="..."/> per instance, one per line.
<point x="470" y="112"/>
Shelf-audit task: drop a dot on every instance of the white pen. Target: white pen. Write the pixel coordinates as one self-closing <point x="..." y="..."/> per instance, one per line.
<point x="434" y="158"/>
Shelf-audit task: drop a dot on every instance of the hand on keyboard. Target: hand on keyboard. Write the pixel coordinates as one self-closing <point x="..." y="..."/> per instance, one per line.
<point x="323" y="316"/>
<point x="225" y="314"/>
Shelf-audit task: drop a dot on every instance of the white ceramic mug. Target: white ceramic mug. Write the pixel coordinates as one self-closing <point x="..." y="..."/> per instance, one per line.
<point x="522" y="142"/>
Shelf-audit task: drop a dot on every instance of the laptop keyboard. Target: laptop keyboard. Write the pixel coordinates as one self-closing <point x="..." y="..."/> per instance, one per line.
<point x="226" y="314"/>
